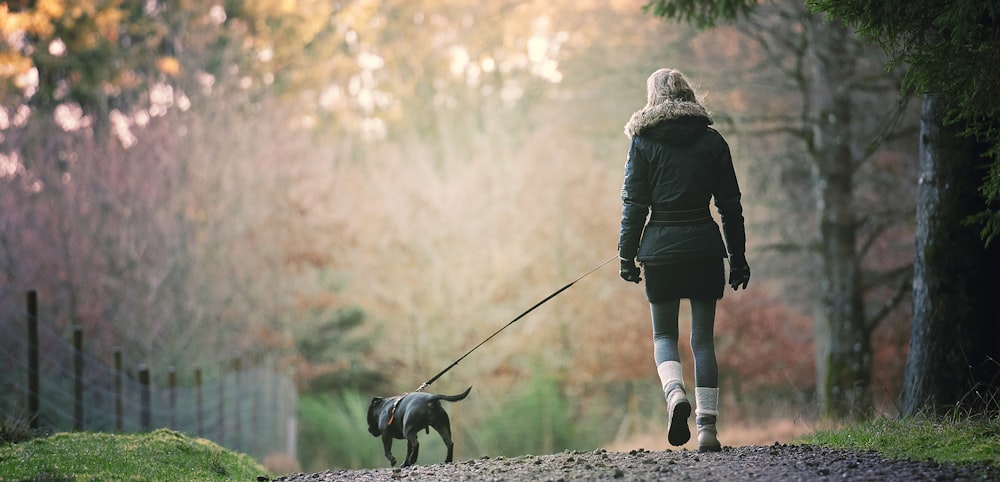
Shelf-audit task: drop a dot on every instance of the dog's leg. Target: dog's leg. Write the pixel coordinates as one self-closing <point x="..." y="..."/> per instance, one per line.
<point x="412" y="449"/>
<point x="443" y="427"/>
<point x="387" y="445"/>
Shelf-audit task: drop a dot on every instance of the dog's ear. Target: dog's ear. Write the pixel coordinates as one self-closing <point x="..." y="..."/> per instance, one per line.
<point x="376" y="402"/>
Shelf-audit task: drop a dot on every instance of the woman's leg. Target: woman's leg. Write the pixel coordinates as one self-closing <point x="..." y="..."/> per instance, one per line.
<point x="668" y="367"/>
<point x="706" y="389"/>
<point x="706" y="367"/>
<point x="665" y="332"/>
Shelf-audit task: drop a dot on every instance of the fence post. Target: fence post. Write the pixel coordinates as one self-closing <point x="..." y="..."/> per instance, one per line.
<point x="33" y="407"/>
<point x="275" y="430"/>
<point x="220" y="431"/>
<point x="77" y="378"/>
<point x="172" y="383"/>
<point x="237" y="427"/>
<point x="198" y="407"/>
<point x="145" y="400"/>
<point x="255" y="415"/>
<point x="118" y="390"/>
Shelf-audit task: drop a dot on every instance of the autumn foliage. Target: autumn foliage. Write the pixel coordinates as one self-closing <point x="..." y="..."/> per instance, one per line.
<point x="369" y="189"/>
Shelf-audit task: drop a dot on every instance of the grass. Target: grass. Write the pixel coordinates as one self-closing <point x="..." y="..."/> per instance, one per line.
<point x="161" y="455"/>
<point x="17" y="429"/>
<point x="960" y="441"/>
<point x="165" y="455"/>
<point x="333" y="431"/>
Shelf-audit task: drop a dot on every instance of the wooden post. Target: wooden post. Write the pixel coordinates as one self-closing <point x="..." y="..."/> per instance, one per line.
<point x="172" y="383"/>
<point x="278" y="404"/>
<point x="33" y="406"/>
<point x="119" y="416"/>
<point x="237" y="427"/>
<point x="277" y="423"/>
<point x="199" y="411"/>
<point x="145" y="400"/>
<point x="255" y="415"/>
<point x="77" y="378"/>
<point x="220" y="430"/>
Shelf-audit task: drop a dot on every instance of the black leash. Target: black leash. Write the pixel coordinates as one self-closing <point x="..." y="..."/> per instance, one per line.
<point x="522" y="315"/>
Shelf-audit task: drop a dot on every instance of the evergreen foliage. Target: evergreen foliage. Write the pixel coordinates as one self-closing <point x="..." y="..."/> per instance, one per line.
<point x="700" y="13"/>
<point x="951" y="49"/>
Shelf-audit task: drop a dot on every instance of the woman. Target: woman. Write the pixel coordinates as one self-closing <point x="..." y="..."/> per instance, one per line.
<point x="676" y="165"/>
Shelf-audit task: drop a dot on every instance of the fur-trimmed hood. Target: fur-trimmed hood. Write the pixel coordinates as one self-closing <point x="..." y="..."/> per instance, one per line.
<point x="691" y="114"/>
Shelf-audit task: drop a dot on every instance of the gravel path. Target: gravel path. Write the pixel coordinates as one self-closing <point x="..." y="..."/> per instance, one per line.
<point x="775" y="462"/>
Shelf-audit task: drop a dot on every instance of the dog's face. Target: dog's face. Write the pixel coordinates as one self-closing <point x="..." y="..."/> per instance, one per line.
<point x="373" y="412"/>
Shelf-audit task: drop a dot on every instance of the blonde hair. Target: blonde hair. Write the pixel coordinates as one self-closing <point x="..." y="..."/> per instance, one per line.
<point x="668" y="85"/>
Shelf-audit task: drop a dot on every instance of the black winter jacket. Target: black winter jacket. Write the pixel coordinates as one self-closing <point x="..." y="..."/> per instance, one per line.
<point x="677" y="163"/>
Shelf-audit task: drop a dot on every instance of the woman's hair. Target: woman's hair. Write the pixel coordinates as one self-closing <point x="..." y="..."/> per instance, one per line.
<point x="668" y="85"/>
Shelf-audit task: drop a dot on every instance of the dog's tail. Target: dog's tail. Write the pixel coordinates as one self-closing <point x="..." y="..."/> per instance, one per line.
<point x="454" y="398"/>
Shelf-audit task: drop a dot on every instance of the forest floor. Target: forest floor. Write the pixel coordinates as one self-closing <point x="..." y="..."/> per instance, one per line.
<point x="786" y="462"/>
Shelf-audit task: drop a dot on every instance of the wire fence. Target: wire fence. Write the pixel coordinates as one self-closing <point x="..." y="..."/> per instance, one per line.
<point x="245" y="405"/>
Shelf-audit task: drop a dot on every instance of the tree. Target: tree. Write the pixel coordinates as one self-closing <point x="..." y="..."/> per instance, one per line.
<point x="952" y="51"/>
<point x="133" y="138"/>
<point x="833" y="82"/>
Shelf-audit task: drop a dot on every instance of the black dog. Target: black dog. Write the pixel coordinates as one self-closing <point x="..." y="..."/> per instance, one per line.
<point x="405" y="415"/>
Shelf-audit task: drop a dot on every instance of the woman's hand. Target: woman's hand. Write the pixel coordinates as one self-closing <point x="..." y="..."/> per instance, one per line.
<point x="629" y="271"/>
<point x="739" y="272"/>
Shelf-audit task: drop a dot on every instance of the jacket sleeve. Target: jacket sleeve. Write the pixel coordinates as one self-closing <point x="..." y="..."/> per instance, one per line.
<point x="636" y="199"/>
<point x="727" y="201"/>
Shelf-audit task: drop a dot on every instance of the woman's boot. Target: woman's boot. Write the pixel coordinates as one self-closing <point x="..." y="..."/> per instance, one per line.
<point x="705" y="416"/>
<point x="678" y="406"/>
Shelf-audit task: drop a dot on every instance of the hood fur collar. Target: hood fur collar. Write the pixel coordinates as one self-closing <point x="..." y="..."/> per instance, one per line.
<point x="651" y="116"/>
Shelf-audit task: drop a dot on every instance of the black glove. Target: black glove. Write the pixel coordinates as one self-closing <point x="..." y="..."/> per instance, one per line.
<point x="739" y="271"/>
<point x="629" y="271"/>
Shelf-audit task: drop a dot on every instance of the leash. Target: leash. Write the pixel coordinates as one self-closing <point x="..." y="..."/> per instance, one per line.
<point x="522" y="315"/>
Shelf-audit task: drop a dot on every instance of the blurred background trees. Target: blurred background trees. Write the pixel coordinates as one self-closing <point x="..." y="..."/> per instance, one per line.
<point x="369" y="188"/>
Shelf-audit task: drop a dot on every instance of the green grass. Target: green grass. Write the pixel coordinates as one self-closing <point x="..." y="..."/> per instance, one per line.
<point x="162" y="455"/>
<point x="964" y="441"/>
<point x="333" y="431"/>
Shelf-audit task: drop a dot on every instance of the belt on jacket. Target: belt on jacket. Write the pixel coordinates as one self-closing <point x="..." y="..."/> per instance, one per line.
<point x="680" y="218"/>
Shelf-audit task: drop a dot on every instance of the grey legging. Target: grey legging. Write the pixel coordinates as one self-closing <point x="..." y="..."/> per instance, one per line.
<point x="665" y="334"/>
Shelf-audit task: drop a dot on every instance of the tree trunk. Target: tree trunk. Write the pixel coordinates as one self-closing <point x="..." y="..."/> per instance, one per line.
<point x="843" y="339"/>
<point x="954" y="357"/>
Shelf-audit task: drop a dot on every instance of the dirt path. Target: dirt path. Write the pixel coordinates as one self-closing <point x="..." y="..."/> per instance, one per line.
<point x="775" y="462"/>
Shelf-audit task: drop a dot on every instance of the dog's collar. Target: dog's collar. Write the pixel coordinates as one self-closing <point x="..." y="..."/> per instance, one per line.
<point x="392" y="411"/>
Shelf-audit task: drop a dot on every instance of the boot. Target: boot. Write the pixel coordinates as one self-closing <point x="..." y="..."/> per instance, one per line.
<point x="705" y="417"/>
<point x="678" y="406"/>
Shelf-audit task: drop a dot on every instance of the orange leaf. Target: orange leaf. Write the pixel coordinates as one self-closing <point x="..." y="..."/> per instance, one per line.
<point x="169" y="65"/>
